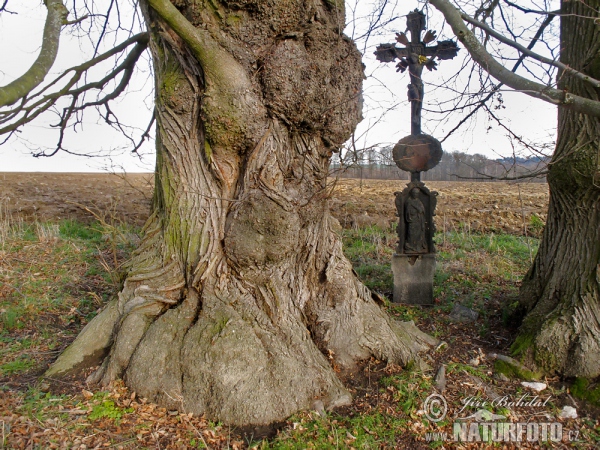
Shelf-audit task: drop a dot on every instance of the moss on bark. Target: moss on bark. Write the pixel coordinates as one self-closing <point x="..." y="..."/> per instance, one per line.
<point x="561" y="293"/>
<point x="514" y="371"/>
<point x="240" y="287"/>
<point x="586" y="390"/>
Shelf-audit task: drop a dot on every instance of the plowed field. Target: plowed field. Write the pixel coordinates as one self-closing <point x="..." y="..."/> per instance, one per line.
<point x="474" y="206"/>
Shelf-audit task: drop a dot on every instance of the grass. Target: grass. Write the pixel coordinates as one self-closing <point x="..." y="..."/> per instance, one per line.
<point x="380" y="428"/>
<point x="54" y="278"/>
<point x="107" y="408"/>
<point x="374" y="431"/>
<point x="479" y="271"/>
<point x="370" y="251"/>
<point x="21" y="364"/>
<point x="471" y="268"/>
<point x="478" y="371"/>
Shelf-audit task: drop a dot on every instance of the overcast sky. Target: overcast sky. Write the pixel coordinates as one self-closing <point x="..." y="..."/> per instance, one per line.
<point x="384" y="92"/>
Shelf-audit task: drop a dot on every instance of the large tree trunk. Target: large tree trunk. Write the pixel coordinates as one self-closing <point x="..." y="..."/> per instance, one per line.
<point x="239" y="302"/>
<point x="561" y="292"/>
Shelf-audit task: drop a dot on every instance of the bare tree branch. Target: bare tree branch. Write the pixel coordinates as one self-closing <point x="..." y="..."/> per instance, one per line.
<point x="496" y="88"/>
<point x="483" y="176"/>
<point x="531" y="11"/>
<point x="56" y="18"/>
<point x="31" y="107"/>
<point x="527" y="52"/>
<point x="494" y="68"/>
<point x="3" y="7"/>
<point x="145" y="135"/>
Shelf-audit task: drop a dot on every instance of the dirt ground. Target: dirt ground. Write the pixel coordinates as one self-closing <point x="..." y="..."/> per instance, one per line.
<point x="475" y="206"/>
<point x="55" y="196"/>
<point x="485" y="207"/>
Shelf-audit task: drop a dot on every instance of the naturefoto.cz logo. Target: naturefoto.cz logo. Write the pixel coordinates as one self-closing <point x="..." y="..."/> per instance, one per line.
<point x="507" y="432"/>
<point x="485" y="426"/>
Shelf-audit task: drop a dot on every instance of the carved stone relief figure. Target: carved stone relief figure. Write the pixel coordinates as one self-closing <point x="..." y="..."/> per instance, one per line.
<point x="414" y="215"/>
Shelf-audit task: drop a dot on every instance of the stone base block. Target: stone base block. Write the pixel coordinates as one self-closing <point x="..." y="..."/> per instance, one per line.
<point x="413" y="278"/>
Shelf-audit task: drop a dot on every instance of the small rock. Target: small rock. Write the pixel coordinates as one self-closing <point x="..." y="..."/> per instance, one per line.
<point x="483" y="415"/>
<point x="474" y="362"/>
<point x="440" y="378"/>
<point x="461" y="313"/>
<point x="538" y="387"/>
<point x="568" y="412"/>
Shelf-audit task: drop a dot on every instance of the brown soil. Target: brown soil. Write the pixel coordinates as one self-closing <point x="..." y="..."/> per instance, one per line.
<point x="56" y="196"/>
<point x="483" y="207"/>
<point x="475" y="206"/>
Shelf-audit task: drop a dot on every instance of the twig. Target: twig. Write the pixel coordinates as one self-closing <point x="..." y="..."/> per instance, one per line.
<point x="528" y="52"/>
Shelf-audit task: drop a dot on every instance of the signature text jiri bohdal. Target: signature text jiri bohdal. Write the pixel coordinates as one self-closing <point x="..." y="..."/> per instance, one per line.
<point x="525" y="401"/>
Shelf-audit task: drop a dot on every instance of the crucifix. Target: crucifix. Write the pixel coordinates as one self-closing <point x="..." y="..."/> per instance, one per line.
<point x="415" y="55"/>
<point x="413" y="263"/>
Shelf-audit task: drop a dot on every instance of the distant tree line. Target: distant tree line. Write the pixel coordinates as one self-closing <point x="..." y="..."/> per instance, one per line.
<point x="377" y="163"/>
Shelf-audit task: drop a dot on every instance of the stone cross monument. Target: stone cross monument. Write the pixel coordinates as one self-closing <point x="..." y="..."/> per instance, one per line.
<point x="413" y="263"/>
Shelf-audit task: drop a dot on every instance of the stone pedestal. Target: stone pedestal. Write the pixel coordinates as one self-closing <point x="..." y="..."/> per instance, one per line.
<point x="413" y="278"/>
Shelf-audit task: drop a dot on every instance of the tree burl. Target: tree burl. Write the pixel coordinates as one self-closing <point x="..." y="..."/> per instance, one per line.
<point x="239" y="302"/>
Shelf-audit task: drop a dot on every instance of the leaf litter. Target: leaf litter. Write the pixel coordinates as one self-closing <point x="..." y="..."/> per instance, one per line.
<point x="387" y="411"/>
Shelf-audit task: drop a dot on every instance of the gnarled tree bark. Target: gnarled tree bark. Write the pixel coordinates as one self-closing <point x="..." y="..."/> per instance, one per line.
<point x="561" y="293"/>
<point x="240" y="288"/>
<point x="559" y="302"/>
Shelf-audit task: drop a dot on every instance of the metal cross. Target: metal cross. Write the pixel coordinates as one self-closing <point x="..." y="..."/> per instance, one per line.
<point x="415" y="56"/>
